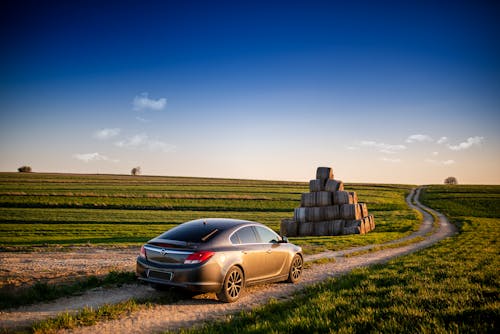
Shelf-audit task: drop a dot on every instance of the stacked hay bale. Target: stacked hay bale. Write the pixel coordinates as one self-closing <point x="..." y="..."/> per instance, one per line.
<point x="328" y="210"/>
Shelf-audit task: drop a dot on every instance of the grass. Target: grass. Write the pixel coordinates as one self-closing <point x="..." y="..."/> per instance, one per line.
<point x="85" y="317"/>
<point x="73" y="209"/>
<point x="452" y="287"/>
<point x="47" y="292"/>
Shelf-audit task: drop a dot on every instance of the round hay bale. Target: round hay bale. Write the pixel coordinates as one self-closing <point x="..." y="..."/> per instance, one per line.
<point x="320" y="198"/>
<point x="299" y="214"/>
<point x="372" y="222"/>
<point x="306" y="229"/>
<point x="330" y="212"/>
<point x="308" y="199"/>
<point x="289" y="228"/>
<point x="316" y="185"/>
<point x="334" y="185"/>
<point x="354" y="196"/>
<point x="314" y="214"/>
<point x="324" y="173"/>
<point x="350" y="230"/>
<point x="342" y="197"/>
<point x="321" y="228"/>
<point x="337" y="226"/>
<point x="307" y="214"/>
<point x="362" y="227"/>
<point x="324" y="198"/>
<point x="364" y="209"/>
<point x="350" y="211"/>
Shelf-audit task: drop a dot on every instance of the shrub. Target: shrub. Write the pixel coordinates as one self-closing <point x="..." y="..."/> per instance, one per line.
<point x="24" y="169"/>
<point x="136" y="171"/>
<point x="451" y="180"/>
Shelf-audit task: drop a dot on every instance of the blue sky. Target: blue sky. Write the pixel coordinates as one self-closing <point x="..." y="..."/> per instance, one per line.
<point x="402" y="92"/>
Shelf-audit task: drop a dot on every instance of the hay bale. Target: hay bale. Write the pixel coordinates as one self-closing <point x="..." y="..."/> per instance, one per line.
<point x="324" y="173"/>
<point x="308" y="214"/>
<point x="351" y="230"/>
<point x="316" y="185"/>
<point x="330" y="212"/>
<point x="372" y="222"/>
<point x="320" y="198"/>
<point x="354" y="196"/>
<point x="364" y="209"/>
<point x="342" y="197"/>
<point x="350" y="211"/>
<point x="289" y="228"/>
<point x="321" y="228"/>
<point x="336" y="227"/>
<point x="306" y="229"/>
<point x="334" y="185"/>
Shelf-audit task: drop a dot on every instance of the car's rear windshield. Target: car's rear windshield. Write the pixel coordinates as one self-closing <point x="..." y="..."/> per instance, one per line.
<point x="192" y="233"/>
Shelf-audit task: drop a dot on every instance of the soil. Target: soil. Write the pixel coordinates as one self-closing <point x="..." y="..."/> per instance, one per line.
<point x="187" y="312"/>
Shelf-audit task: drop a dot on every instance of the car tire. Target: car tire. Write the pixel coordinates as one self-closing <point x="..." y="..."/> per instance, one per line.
<point x="233" y="286"/>
<point x="296" y="268"/>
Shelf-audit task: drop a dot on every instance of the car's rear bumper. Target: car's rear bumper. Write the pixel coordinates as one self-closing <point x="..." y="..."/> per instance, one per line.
<point x="203" y="278"/>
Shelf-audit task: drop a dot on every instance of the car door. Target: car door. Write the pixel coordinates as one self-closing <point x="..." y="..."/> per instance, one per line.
<point x="252" y="253"/>
<point x="275" y="253"/>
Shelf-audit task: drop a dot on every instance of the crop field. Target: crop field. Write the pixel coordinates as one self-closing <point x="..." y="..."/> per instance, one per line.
<point x="118" y="210"/>
<point x="451" y="287"/>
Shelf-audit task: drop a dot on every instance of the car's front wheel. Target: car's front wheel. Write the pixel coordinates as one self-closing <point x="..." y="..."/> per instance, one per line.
<point x="295" y="269"/>
<point x="233" y="285"/>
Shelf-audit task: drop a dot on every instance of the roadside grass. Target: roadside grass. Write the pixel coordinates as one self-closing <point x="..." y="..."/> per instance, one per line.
<point x="43" y="292"/>
<point x="89" y="316"/>
<point x="452" y="286"/>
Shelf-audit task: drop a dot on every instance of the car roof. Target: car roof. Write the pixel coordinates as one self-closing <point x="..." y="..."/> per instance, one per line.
<point x="222" y="223"/>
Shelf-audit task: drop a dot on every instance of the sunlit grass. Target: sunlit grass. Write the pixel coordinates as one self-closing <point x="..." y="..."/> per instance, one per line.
<point x="64" y="209"/>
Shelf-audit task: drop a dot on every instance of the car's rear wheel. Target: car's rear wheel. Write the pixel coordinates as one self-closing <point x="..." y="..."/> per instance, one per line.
<point x="296" y="269"/>
<point x="233" y="285"/>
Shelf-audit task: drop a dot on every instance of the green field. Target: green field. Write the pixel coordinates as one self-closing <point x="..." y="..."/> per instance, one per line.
<point x="74" y="209"/>
<point x="452" y="287"/>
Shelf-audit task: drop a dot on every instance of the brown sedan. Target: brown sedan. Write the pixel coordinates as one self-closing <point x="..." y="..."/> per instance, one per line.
<point x="219" y="255"/>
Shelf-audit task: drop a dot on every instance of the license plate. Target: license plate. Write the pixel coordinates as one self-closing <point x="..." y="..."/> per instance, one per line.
<point x="167" y="276"/>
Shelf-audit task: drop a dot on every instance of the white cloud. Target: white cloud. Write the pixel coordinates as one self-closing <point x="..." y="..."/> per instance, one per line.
<point x="418" y="138"/>
<point x="382" y="147"/>
<point x="352" y="148"/>
<point x="435" y="154"/>
<point x="107" y="133"/>
<point x="143" y="102"/>
<point x="442" y="140"/>
<point x="143" y="120"/>
<point x="144" y="142"/>
<point x="467" y="144"/>
<point x="87" y="157"/>
<point x="441" y="162"/>
<point x="396" y="160"/>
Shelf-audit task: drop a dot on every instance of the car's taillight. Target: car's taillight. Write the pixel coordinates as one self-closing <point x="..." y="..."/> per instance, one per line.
<point x="198" y="257"/>
<point x="143" y="252"/>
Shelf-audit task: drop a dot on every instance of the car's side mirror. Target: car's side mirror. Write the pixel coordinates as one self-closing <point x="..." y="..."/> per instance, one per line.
<point x="283" y="240"/>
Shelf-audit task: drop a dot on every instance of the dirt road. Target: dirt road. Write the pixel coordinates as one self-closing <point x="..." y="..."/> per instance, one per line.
<point x="193" y="311"/>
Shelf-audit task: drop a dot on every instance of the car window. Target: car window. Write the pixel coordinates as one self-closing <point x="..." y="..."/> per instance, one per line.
<point x="266" y="235"/>
<point x="234" y="239"/>
<point x="247" y="235"/>
<point x="191" y="232"/>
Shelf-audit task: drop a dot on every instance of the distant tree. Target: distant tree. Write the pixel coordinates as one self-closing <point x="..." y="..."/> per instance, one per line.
<point x="451" y="180"/>
<point x="136" y="171"/>
<point x="24" y="169"/>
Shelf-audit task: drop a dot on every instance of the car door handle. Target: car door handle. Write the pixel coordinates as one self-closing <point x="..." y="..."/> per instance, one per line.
<point x="268" y="251"/>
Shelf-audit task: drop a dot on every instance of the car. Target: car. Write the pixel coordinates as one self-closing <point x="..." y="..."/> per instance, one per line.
<point x="219" y="255"/>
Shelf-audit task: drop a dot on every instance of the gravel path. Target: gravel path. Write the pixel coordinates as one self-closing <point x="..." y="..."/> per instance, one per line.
<point x="193" y="311"/>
